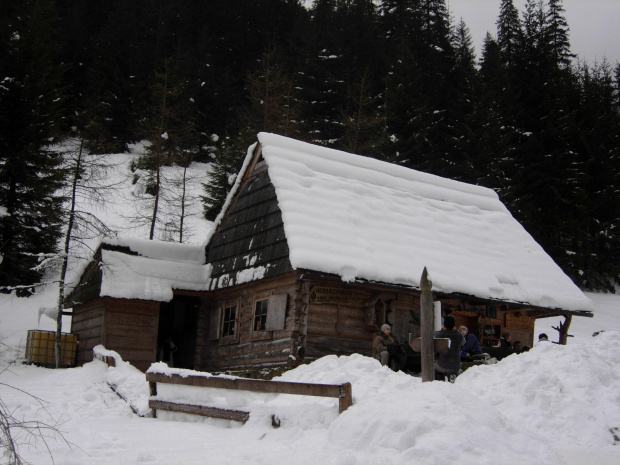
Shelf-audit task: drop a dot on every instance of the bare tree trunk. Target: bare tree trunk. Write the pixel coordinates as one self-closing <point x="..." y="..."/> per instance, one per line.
<point x="184" y="189"/>
<point x="162" y="119"/>
<point x="65" y="258"/>
<point x="563" y="330"/>
<point x="156" y="202"/>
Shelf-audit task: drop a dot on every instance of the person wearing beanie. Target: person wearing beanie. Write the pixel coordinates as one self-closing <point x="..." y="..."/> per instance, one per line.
<point x="471" y="346"/>
<point x="449" y="364"/>
<point x="386" y="349"/>
<point x="543" y="339"/>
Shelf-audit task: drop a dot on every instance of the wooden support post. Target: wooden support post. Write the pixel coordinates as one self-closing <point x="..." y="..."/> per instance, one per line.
<point x="426" y="328"/>
<point x="346" y="397"/>
<point x="563" y="330"/>
<point x="153" y="393"/>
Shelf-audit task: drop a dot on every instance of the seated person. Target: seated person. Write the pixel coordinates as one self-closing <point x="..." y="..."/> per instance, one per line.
<point x="504" y="341"/>
<point x="386" y="349"/>
<point x="450" y="362"/>
<point x="517" y="346"/>
<point x="471" y="346"/>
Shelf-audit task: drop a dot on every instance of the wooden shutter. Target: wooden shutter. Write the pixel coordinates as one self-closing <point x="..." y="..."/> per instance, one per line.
<point x="276" y="312"/>
<point x="214" y="323"/>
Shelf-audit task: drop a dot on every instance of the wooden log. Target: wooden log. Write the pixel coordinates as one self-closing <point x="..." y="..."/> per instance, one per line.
<point x="254" y="385"/>
<point x="563" y="329"/>
<point x="426" y="328"/>
<point x="213" y="412"/>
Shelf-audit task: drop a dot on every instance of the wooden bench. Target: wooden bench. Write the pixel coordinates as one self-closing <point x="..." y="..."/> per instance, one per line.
<point x="342" y="392"/>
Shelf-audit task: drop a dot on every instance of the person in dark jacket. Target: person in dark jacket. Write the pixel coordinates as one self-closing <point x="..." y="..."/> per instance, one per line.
<point x="504" y="341"/>
<point x="386" y="349"/>
<point x="449" y="363"/>
<point x="471" y="346"/>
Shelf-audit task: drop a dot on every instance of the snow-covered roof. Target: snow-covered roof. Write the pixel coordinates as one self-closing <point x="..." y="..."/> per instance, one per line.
<point x="364" y="219"/>
<point x="152" y="270"/>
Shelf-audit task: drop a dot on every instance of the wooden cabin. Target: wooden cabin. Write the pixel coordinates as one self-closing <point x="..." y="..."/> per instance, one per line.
<point x="313" y="251"/>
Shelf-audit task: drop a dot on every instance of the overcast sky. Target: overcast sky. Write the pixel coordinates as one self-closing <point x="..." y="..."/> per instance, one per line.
<point x="593" y="24"/>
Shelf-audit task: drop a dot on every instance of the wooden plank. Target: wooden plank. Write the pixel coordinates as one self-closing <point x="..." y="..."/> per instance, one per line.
<point x="440" y="345"/>
<point x="254" y="385"/>
<point x="213" y="412"/>
<point x="129" y="319"/>
<point x="79" y="326"/>
<point x="129" y="341"/>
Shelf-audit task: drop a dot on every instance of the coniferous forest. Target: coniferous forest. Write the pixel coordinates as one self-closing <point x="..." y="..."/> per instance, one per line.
<point x="396" y="80"/>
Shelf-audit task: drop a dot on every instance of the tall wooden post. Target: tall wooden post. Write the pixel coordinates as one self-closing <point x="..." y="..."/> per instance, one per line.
<point x="426" y="328"/>
<point x="563" y="329"/>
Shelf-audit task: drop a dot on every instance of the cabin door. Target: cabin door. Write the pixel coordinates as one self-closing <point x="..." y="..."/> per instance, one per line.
<point x="176" y="338"/>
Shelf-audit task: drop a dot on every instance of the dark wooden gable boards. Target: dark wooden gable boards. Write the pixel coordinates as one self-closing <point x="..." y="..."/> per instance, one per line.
<point x="251" y="233"/>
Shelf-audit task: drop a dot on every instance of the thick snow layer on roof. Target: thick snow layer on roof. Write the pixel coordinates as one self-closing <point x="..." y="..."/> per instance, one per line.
<point x="159" y="250"/>
<point x="361" y="218"/>
<point x="137" y="277"/>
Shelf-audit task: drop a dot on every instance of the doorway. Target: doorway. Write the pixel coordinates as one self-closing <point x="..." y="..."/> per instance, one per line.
<point x="176" y="337"/>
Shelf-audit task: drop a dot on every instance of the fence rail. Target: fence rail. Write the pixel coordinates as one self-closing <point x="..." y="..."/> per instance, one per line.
<point x="342" y="392"/>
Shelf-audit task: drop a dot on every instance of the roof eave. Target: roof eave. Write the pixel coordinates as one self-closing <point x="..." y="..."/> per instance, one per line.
<point x="546" y="311"/>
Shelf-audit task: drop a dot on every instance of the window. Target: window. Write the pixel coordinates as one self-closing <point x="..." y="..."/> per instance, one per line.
<point x="260" y="314"/>
<point x="269" y="314"/>
<point x="229" y="316"/>
<point x="491" y="334"/>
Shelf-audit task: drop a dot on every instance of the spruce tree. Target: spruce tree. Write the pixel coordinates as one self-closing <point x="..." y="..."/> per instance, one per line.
<point x="30" y="173"/>
<point x="229" y="158"/>
<point x="597" y="248"/>
<point x="322" y="83"/>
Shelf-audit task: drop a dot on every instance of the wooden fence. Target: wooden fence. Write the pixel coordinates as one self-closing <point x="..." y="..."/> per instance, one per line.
<point x="342" y="392"/>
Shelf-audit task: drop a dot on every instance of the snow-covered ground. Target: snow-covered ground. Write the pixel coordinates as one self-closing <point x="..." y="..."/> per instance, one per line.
<point x="552" y="405"/>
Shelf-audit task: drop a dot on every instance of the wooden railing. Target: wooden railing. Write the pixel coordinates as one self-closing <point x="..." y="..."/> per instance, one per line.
<point x="342" y="392"/>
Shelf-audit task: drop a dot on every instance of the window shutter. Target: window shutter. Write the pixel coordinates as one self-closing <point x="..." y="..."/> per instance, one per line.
<point x="214" y="324"/>
<point x="276" y="312"/>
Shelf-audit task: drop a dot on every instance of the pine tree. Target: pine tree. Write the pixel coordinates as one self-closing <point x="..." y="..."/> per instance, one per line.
<point x="494" y="150"/>
<point x="30" y="173"/>
<point x="422" y="88"/>
<point x="466" y="106"/>
<point x="229" y="158"/>
<point x="322" y="83"/>
<point x="557" y="34"/>
<point x="509" y="33"/>
<point x="597" y="250"/>
<point x="544" y="192"/>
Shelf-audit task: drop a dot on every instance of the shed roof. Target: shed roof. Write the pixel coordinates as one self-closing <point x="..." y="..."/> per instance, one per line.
<point x="364" y="219"/>
<point x="150" y="270"/>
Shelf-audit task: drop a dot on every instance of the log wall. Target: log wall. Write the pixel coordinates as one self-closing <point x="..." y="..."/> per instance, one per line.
<point x="347" y="320"/>
<point x="128" y="327"/>
<point x="249" y="349"/>
<point x="88" y="323"/>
